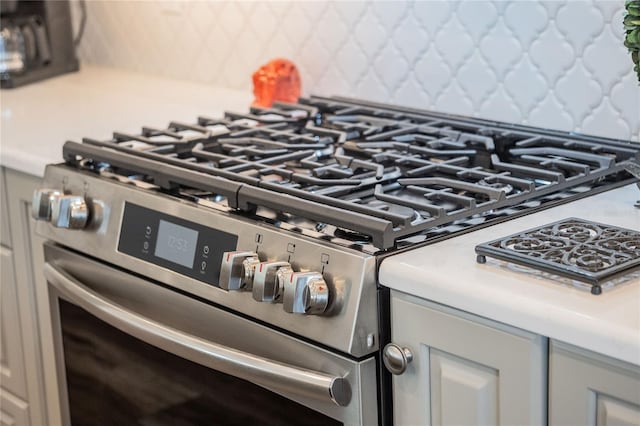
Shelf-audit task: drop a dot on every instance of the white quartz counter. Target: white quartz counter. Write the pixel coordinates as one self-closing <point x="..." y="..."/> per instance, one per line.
<point x="447" y="273"/>
<point x="38" y="118"/>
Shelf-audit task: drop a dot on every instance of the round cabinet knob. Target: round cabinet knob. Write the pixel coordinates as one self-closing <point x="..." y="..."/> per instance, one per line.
<point x="396" y="358"/>
<point x="306" y="293"/>
<point x="42" y="201"/>
<point x="237" y="270"/>
<point x="268" y="280"/>
<point x="69" y="211"/>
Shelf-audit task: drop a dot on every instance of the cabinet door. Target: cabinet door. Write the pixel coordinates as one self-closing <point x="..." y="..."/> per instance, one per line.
<point x="31" y="294"/>
<point x="12" y="373"/>
<point x="590" y="389"/>
<point x="466" y="370"/>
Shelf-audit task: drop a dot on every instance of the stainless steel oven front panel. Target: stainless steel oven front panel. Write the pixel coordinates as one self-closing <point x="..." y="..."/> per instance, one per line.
<point x="352" y="325"/>
<point x="339" y="387"/>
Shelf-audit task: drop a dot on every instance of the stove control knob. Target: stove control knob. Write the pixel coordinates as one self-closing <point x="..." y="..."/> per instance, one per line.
<point x="69" y="211"/>
<point x="41" y="203"/>
<point x="249" y="266"/>
<point x="315" y="296"/>
<point x="306" y="293"/>
<point x="268" y="281"/>
<point x="237" y="269"/>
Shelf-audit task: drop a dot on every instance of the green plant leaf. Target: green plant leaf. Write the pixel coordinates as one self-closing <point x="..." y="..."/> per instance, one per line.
<point x="631" y="21"/>
<point x="633" y="7"/>
<point x="632" y="40"/>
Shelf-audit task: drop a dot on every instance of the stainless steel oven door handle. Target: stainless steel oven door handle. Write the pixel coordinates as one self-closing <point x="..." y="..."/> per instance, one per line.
<point x="261" y="371"/>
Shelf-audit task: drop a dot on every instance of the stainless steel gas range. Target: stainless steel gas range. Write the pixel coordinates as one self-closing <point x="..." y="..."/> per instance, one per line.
<point x="227" y="269"/>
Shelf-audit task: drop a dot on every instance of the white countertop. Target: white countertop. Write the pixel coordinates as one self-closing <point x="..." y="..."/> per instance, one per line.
<point x="38" y="118"/>
<point x="447" y="273"/>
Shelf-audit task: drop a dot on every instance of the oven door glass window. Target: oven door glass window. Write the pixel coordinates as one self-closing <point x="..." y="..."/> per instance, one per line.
<point x="116" y="379"/>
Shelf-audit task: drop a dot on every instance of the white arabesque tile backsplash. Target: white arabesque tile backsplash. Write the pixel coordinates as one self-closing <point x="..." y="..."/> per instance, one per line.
<point x="544" y="63"/>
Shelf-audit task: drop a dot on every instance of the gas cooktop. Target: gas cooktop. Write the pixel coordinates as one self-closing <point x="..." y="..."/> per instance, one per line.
<point x="366" y="176"/>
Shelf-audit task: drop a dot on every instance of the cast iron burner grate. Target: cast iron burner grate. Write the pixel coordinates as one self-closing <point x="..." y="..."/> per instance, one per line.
<point x="384" y="176"/>
<point x="574" y="248"/>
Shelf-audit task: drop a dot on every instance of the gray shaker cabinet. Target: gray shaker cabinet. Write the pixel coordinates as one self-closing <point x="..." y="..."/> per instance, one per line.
<point x="13" y="390"/>
<point x="466" y="370"/>
<point x="13" y="384"/>
<point x="22" y="399"/>
<point x="586" y="388"/>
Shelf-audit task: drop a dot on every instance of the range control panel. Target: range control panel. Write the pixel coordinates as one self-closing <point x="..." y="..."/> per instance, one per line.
<point x="174" y="243"/>
<point x="210" y="255"/>
<point x="306" y="286"/>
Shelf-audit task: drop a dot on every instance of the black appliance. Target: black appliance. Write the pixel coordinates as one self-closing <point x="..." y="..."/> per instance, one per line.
<point x="36" y="41"/>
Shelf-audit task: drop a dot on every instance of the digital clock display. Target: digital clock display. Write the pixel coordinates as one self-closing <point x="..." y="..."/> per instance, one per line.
<point x="176" y="243"/>
<point x="171" y="242"/>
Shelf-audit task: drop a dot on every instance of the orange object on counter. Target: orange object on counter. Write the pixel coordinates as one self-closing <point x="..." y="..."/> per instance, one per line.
<point x="277" y="80"/>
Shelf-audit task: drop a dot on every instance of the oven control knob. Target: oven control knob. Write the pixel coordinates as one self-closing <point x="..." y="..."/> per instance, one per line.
<point x="249" y="266"/>
<point x="237" y="269"/>
<point x="315" y="296"/>
<point x="69" y="211"/>
<point x="42" y="201"/>
<point x="268" y="281"/>
<point x="306" y="293"/>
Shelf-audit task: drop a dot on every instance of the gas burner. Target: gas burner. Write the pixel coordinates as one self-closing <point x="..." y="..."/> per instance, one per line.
<point x="574" y="248"/>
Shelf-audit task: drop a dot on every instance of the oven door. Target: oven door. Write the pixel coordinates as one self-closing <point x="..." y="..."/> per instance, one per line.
<point x="131" y="351"/>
